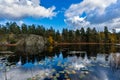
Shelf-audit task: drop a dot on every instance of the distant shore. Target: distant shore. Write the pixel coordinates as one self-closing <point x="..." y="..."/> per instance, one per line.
<point x="8" y="45"/>
<point x="84" y="43"/>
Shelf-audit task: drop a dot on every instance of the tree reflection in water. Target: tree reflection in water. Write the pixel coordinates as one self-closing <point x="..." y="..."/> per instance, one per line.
<point x="57" y="64"/>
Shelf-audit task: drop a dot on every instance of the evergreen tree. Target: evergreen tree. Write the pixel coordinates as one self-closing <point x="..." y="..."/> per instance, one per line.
<point x="40" y="30"/>
<point x="106" y="33"/>
<point x="14" y="28"/>
<point x="71" y="36"/>
<point x="65" y="35"/>
<point x="24" y="29"/>
<point x="58" y="36"/>
<point x="88" y="35"/>
<point x="94" y="37"/>
<point x="82" y="33"/>
<point x="77" y="35"/>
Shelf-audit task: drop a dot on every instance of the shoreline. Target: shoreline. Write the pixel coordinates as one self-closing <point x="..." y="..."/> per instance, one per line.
<point x="84" y="43"/>
<point x="60" y="44"/>
<point x="8" y="45"/>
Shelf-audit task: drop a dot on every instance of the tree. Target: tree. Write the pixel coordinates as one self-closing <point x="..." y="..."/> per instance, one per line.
<point x="106" y="32"/>
<point x="94" y="35"/>
<point x="3" y="30"/>
<point x="31" y="29"/>
<point x="113" y="38"/>
<point x="88" y="35"/>
<point x="50" y="40"/>
<point x="82" y="33"/>
<point x="77" y="35"/>
<point x="58" y="36"/>
<point x="101" y="37"/>
<point x="40" y="30"/>
<point x="14" y="28"/>
<point x="71" y="36"/>
<point x="118" y="37"/>
<point x="24" y="29"/>
<point x="65" y="35"/>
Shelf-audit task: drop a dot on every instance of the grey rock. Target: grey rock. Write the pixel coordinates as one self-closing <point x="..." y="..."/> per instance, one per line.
<point x="32" y="44"/>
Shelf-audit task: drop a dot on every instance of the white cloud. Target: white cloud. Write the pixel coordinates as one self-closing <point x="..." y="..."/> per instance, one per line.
<point x="76" y="20"/>
<point x="17" y="9"/>
<point x="112" y="24"/>
<point x="20" y="22"/>
<point x="99" y="13"/>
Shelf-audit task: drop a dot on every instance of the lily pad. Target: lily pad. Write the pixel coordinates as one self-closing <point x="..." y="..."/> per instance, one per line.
<point x="29" y="79"/>
<point x="73" y="72"/>
<point x="81" y="76"/>
<point x="53" y="70"/>
<point x="66" y="76"/>
<point x="54" y="78"/>
<point x="57" y="75"/>
<point x="61" y="72"/>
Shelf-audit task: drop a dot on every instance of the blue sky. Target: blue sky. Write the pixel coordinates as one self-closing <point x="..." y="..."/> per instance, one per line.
<point x="62" y="13"/>
<point x="56" y="22"/>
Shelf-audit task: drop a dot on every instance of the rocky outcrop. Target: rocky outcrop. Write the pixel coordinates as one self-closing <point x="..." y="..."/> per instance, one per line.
<point x="31" y="43"/>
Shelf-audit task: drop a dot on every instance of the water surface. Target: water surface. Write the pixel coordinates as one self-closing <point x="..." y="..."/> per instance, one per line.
<point x="98" y="62"/>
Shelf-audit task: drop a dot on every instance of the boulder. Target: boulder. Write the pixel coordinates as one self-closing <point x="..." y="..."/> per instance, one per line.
<point x="32" y="44"/>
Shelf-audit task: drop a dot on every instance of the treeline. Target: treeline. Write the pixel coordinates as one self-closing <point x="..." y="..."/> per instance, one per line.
<point x="77" y="36"/>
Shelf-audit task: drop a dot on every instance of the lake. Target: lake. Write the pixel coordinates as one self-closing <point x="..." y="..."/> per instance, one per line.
<point x="70" y="62"/>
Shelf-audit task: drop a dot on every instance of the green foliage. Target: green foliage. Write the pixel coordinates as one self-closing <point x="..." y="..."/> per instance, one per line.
<point x="58" y="37"/>
<point x="106" y="34"/>
<point x="79" y="35"/>
<point x="71" y="36"/>
<point x="24" y="29"/>
<point x="83" y="35"/>
<point x="88" y="35"/>
<point x="95" y="36"/>
<point x="40" y="30"/>
<point x="65" y="35"/>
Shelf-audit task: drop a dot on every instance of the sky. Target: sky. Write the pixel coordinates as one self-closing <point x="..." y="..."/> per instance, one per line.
<point x="59" y="14"/>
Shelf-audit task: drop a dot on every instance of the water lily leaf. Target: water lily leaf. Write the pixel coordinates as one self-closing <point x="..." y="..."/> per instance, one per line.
<point x="53" y="70"/>
<point x="61" y="72"/>
<point x="57" y="75"/>
<point x="54" y="78"/>
<point x="70" y="66"/>
<point x="81" y="76"/>
<point x="29" y="79"/>
<point x="73" y="72"/>
<point x="68" y="72"/>
<point x="66" y="76"/>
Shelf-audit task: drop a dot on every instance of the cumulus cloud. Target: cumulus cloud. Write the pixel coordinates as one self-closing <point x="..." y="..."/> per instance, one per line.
<point x="76" y="20"/>
<point x="20" y="22"/>
<point x="17" y="9"/>
<point x="99" y="13"/>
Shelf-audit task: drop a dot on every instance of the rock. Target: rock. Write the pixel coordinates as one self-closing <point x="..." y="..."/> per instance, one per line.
<point x="32" y="43"/>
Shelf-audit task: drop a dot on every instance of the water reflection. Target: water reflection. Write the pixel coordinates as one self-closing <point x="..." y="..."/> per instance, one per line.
<point x="59" y="65"/>
<point x="114" y="60"/>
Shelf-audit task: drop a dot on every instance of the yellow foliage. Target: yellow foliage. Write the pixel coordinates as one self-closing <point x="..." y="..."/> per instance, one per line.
<point x="101" y="36"/>
<point x="113" y="38"/>
<point x="50" y="40"/>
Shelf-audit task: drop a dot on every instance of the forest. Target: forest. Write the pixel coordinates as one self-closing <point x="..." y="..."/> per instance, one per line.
<point x="89" y="35"/>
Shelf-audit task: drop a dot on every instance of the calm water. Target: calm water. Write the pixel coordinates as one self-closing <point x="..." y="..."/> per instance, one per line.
<point x="97" y="62"/>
